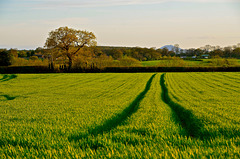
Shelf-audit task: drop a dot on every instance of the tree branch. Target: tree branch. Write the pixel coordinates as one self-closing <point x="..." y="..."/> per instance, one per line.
<point x="79" y="48"/>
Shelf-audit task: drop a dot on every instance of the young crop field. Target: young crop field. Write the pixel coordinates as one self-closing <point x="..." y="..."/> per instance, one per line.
<point x="120" y="115"/>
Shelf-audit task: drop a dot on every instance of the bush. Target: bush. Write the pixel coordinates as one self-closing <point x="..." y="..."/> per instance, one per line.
<point x="103" y="61"/>
<point x="25" y="62"/>
<point x="129" y="61"/>
<point x="233" y="62"/>
<point x="224" y="62"/>
<point x="82" y="62"/>
<point x="172" y="62"/>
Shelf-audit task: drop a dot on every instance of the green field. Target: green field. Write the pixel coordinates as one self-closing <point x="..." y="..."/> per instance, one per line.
<point x="141" y="115"/>
<point x="191" y="63"/>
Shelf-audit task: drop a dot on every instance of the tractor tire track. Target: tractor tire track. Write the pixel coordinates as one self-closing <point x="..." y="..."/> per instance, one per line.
<point x="117" y="119"/>
<point x="193" y="125"/>
<point x="185" y="118"/>
<point x="8" y="77"/>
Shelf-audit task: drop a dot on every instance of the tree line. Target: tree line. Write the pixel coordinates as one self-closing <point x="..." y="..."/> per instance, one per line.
<point x="66" y="48"/>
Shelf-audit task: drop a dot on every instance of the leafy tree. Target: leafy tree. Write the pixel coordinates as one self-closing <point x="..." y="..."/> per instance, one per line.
<point x="236" y="52"/>
<point x="70" y="41"/>
<point x="14" y="53"/>
<point x="165" y="52"/>
<point x="217" y="53"/>
<point x="207" y="48"/>
<point x="117" y="54"/>
<point x="22" y="53"/>
<point x="5" y="57"/>
<point x="227" y="51"/>
<point x="176" y="48"/>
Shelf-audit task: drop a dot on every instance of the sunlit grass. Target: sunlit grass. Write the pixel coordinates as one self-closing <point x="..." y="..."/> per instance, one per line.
<point x="144" y="115"/>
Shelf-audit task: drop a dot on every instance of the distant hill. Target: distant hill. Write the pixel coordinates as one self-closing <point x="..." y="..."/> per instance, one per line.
<point x="169" y="47"/>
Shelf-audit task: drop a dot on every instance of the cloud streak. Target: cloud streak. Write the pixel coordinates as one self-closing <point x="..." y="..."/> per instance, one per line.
<point x="44" y="4"/>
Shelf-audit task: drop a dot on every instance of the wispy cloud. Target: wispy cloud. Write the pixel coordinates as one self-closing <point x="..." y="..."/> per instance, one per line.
<point x="44" y="4"/>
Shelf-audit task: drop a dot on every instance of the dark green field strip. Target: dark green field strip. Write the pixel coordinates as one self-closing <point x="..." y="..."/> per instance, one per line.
<point x="73" y="106"/>
<point x="211" y="116"/>
<point x="8" y="77"/>
<point x="198" y="91"/>
<point x="199" y="95"/>
<point x="8" y="97"/>
<point x="151" y="125"/>
<point x="188" y="120"/>
<point x="115" y="120"/>
<point x="201" y="88"/>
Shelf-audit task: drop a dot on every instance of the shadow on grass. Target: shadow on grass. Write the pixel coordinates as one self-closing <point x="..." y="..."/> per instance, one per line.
<point x="8" y="77"/>
<point x="115" y="120"/>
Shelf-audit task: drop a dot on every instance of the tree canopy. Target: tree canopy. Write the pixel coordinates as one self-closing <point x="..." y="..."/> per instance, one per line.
<point x="70" y="41"/>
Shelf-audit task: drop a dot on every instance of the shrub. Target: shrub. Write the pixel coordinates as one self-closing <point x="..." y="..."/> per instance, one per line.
<point x="224" y="62"/>
<point x="25" y="62"/>
<point x="128" y="61"/>
<point x="172" y="62"/>
<point x="103" y="61"/>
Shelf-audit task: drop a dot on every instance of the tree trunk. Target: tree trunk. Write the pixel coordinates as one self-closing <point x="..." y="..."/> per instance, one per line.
<point x="69" y="60"/>
<point x="70" y="63"/>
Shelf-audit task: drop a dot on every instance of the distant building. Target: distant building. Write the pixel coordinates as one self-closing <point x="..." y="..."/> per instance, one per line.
<point x="205" y="56"/>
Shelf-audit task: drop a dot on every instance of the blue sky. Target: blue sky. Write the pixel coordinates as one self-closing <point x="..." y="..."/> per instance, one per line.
<point x="152" y="23"/>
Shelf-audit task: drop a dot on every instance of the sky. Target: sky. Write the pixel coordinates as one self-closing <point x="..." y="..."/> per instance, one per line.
<point x="25" y="24"/>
